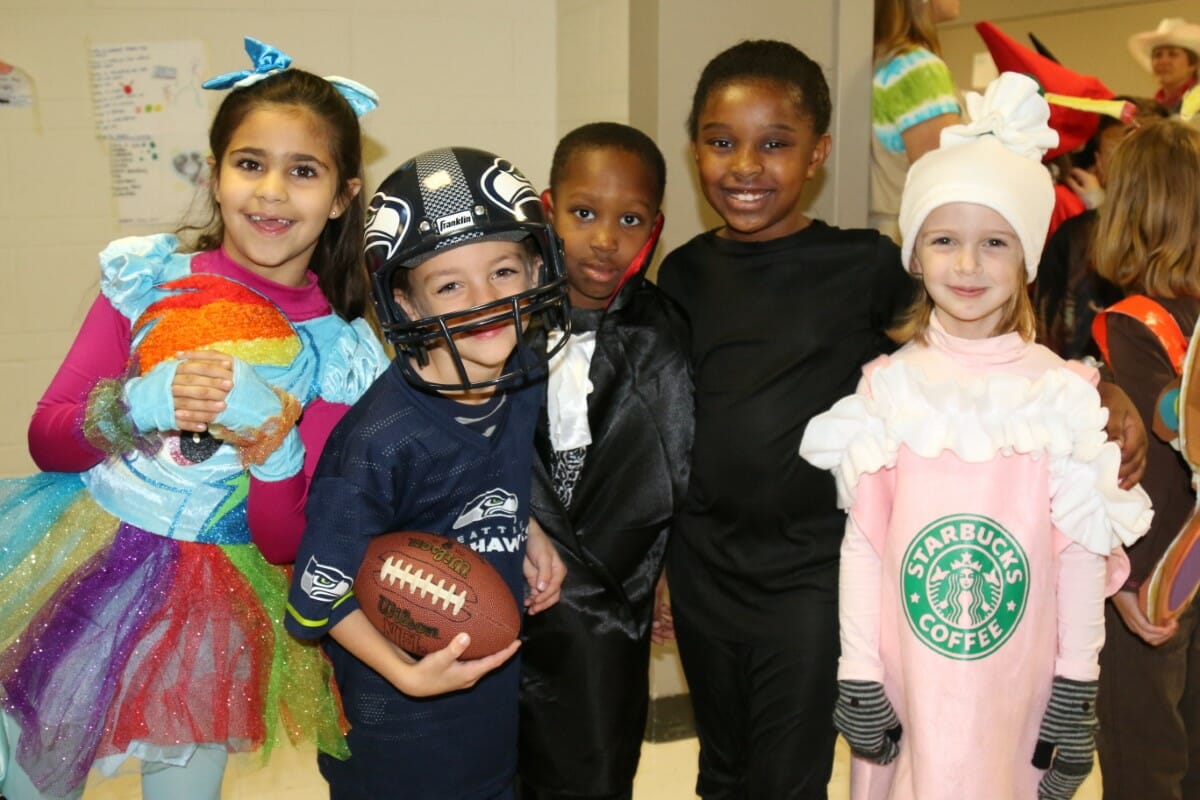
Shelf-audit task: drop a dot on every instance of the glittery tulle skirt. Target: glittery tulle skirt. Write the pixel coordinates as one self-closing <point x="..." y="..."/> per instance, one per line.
<point x="115" y="642"/>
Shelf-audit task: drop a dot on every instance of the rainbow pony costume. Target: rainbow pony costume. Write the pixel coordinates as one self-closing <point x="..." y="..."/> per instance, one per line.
<point x="138" y="618"/>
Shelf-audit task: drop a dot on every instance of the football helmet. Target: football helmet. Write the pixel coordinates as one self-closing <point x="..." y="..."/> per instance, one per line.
<point x="449" y="197"/>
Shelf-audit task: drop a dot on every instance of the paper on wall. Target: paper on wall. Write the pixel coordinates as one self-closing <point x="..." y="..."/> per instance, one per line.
<point x="150" y="108"/>
<point x="15" y="88"/>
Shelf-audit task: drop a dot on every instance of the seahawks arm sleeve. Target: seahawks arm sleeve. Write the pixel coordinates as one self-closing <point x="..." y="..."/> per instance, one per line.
<point x="341" y="519"/>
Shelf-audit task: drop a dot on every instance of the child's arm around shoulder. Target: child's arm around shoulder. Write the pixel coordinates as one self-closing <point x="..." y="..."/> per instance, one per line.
<point x="437" y="673"/>
<point x="1126" y="428"/>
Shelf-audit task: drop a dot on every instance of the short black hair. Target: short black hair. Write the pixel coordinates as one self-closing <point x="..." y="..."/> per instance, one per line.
<point x="600" y="135"/>
<point x="767" y="61"/>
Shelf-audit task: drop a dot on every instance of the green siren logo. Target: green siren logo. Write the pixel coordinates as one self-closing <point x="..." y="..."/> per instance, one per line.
<point x="965" y="583"/>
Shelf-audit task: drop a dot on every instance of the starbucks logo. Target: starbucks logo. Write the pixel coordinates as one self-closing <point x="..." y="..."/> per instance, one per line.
<point x="965" y="584"/>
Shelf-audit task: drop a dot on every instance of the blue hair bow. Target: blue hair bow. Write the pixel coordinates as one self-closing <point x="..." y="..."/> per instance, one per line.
<point x="269" y="60"/>
<point x="361" y="98"/>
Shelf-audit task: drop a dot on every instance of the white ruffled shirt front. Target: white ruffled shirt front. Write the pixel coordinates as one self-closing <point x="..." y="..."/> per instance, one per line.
<point x="568" y="390"/>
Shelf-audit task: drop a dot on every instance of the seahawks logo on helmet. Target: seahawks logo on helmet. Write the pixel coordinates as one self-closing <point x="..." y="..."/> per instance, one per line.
<point x="323" y="583"/>
<point x="494" y="503"/>
<point x="388" y="220"/>
<point x="505" y="186"/>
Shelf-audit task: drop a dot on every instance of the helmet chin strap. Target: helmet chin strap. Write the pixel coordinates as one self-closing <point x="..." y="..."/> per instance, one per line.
<point x="524" y="359"/>
<point x="451" y="362"/>
<point x="523" y="311"/>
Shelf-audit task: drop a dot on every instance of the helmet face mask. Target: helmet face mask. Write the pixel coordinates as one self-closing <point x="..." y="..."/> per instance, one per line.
<point x="449" y="198"/>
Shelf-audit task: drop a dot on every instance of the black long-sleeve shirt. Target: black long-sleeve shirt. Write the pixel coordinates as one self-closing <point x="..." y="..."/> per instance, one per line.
<point x="779" y="332"/>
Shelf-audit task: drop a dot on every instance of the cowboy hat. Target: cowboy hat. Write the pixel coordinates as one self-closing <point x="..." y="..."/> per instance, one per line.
<point x="1171" y="31"/>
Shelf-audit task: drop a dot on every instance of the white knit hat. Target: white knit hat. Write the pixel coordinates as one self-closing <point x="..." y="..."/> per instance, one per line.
<point x="995" y="160"/>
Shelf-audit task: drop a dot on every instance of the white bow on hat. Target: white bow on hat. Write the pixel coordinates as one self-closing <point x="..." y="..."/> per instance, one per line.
<point x="1012" y="110"/>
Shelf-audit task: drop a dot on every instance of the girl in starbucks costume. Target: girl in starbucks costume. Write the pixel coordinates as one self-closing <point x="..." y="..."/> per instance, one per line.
<point x="986" y="523"/>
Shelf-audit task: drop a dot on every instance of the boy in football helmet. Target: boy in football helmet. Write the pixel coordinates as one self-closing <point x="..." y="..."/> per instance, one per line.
<point x="465" y="270"/>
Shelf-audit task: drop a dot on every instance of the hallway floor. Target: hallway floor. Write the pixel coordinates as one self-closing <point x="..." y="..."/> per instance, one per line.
<point x="668" y="772"/>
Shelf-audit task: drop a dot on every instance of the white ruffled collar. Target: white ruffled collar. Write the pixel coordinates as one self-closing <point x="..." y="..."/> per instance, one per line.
<point x="1056" y="415"/>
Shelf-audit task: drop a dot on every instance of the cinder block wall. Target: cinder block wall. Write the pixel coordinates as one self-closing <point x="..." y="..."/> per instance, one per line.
<point x="472" y="72"/>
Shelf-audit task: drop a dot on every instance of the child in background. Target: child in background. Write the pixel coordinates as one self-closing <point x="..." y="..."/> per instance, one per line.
<point x="1171" y="53"/>
<point x="912" y="97"/>
<point x="464" y="266"/>
<point x="611" y="471"/>
<point x="139" y="618"/>
<point x="1068" y="292"/>
<point x="1147" y="243"/>
<point x="784" y="310"/>
<point x="985" y="513"/>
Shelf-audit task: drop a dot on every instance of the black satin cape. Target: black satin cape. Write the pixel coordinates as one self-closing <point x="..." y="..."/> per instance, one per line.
<point x="585" y="661"/>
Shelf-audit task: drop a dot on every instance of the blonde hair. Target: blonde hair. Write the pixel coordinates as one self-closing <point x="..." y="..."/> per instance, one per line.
<point x="1147" y="232"/>
<point x="913" y="323"/>
<point x="901" y="25"/>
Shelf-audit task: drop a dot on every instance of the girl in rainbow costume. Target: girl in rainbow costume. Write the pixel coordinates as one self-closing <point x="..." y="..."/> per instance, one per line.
<point x="986" y="524"/>
<point x="141" y="614"/>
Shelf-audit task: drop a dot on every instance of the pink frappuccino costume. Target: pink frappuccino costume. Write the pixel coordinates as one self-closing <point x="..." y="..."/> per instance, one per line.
<point x="985" y="529"/>
<point x="986" y="522"/>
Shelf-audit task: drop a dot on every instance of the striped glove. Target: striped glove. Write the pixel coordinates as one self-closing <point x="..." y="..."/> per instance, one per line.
<point x="865" y="717"/>
<point x="1067" y="738"/>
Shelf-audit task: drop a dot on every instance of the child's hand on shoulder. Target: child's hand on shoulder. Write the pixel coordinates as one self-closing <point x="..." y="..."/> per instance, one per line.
<point x="544" y="570"/>
<point x="203" y="380"/>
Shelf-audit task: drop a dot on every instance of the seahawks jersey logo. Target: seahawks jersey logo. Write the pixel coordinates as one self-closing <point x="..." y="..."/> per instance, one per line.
<point x="496" y="503"/>
<point x="323" y="583"/>
<point x="388" y="220"/>
<point x="506" y="187"/>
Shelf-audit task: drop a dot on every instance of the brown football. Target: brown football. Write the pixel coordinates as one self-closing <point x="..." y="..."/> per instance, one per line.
<point x="421" y="590"/>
